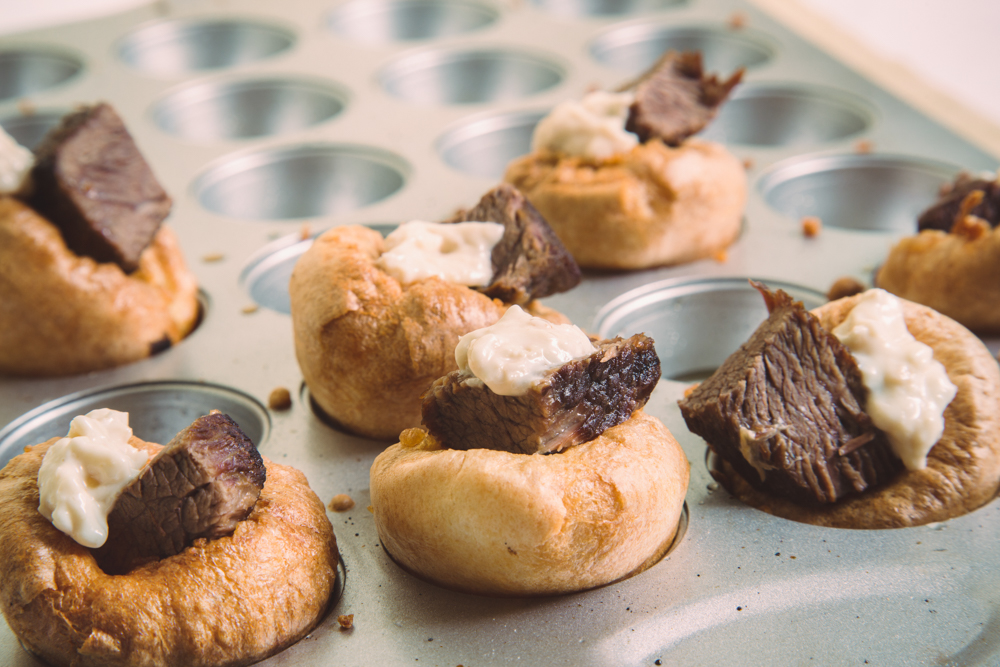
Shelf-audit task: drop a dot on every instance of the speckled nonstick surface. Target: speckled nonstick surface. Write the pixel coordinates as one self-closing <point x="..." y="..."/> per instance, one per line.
<point x="270" y="122"/>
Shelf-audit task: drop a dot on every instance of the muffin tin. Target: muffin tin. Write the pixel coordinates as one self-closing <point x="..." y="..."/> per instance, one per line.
<point x="270" y="122"/>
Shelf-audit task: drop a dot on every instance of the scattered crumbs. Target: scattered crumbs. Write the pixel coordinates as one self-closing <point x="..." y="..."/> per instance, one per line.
<point x="690" y="390"/>
<point x="721" y="255"/>
<point x="305" y="231"/>
<point x="739" y="609"/>
<point x="712" y="487"/>
<point x="657" y="662"/>
<point x="792" y="557"/>
<point x="249" y="310"/>
<point x="279" y="399"/>
<point x="811" y="226"/>
<point x="346" y="621"/>
<point x="737" y="21"/>
<point x="919" y="542"/>
<point x="430" y="639"/>
<point x="26" y="107"/>
<point x="341" y="503"/>
<point x="844" y="286"/>
<point x="777" y="553"/>
<point x="863" y="146"/>
<point x="748" y="163"/>
<point x="213" y="257"/>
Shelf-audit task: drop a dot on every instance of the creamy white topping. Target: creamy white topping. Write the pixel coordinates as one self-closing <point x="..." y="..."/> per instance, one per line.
<point x="593" y="127"/>
<point x="15" y="163"/>
<point x="83" y="473"/>
<point x="908" y="389"/>
<point x="512" y="354"/>
<point x="457" y="252"/>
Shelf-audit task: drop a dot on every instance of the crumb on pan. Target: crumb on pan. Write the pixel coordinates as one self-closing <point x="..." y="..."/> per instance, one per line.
<point x="249" y="310"/>
<point x="720" y="256"/>
<point x="341" y="503"/>
<point x="305" y="231"/>
<point x="346" y="621"/>
<point x="737" y="21"/>
<point x="748" y="163"/>
<point x="213" y="257"/>
<point x="844" y="286"/>
<point x="811" y="226"/>
<point x="863" y="146"/>
<point x="279" y="399"/>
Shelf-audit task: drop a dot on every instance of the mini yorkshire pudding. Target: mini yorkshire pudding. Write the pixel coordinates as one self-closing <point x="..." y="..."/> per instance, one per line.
<point x="369" y="344"/>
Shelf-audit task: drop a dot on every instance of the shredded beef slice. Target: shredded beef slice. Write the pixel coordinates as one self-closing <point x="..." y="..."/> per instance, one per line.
<point x="91" y="181"/>
<point x="785" y="410"/>
<point x="529" y="262"/>
<point x="201" y="485"/>
<point x="573" y="404"/>
<point x="941" y="215"/>
<point x="676" y="99"/>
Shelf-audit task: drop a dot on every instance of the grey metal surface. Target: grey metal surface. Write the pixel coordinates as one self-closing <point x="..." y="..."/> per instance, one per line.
<point x="741" y="587"/>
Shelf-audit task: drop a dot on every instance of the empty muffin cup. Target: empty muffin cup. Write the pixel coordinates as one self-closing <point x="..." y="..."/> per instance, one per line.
<point x="300" y="182"/>
<point x="387" y="21"/>
<point x="469" y="76"/>
<point x="157" y="412"/>
<point x="696" y="323"/>
<point x="485" y="146"/>
<point x="29" y="71"/>
<point x="787" y="115"/>
<point x="189" y="45"/>
<point x="634" y="48"/>
<point x="266" y="274"/>
<point x="604" y="7"/>
<point x="247" y="108"/>
<point x="865" y="192"/>
<point x="29" y="129"/>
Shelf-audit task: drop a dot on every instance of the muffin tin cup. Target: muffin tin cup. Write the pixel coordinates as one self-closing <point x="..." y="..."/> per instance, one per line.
<point x="389" y="21"/>
<point x="29" y="71"/>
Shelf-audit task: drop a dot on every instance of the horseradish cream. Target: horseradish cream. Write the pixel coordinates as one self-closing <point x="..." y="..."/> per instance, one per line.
<point x="593" y="127"/>
<point x="82" y="474"/>
<point x="15" y="163"/>
<point x="517" y="351"/>
<point x="457" y="252"/>
<point x="908" y="389"/>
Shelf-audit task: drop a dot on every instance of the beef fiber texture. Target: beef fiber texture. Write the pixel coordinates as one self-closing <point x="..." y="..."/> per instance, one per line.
<point x="943" y="213"/>
<point x="785" y="410"/>
<point x="572" y="404"/>
<point x="91" y="181"/>
<point x="529" y="262"/>
<point x="201" y="485"/>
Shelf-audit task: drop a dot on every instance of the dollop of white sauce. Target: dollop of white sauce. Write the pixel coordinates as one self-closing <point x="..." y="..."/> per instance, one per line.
<point x="593" y="127"/>
<point x="82" y="474"/>
<point x="514" y="353"/>
<point x="15" y="163"/>
<point x="457" y="252"/>
<point x="908" y="389"/>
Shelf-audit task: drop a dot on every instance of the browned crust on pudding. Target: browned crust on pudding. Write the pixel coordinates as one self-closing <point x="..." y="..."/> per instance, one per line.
<point x="653" y="206"/>
<point x="951" y="273"/>
<point x="369" y="346"/>
<point x="963" y="468"/>
<point x="230" y="601"/>
<point x="62" y="314"/>
<point x="496" y="523"/>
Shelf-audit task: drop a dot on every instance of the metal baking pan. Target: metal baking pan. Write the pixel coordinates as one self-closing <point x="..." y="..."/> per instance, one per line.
<point x="270" y="122"/>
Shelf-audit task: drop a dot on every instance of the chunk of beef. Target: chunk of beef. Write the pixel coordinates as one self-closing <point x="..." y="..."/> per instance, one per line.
<point x="202" y="484"/>
<point x="785" y="410"/>
<point x="91" y="181"/>
<point x="676" y="99"/>
<point x="942" y="214"/>
<point x="572" y="404"/>
<point x="529" y="262"/>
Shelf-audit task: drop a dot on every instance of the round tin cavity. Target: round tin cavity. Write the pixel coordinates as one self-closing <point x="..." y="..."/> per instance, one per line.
<point x="25" y="72"/>
<point x="29" y="130"/>
<point x="634" y="48"/>
<point x="300" y="182"/>
<point x="484" y="146"/>
<point x="787" y="115"/>
<point x="604" y="7"/>
<point x="189" y="45"/>
<point x="157" y="412"/>
<point x="267" y="272"/>
<point x="865" y="192"/>
<point x="386" y="21"/>
<point x="469" y="76"/>
<point x="247" y="108"/>
<point x="696" y="323"/>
